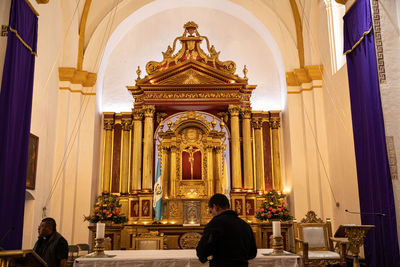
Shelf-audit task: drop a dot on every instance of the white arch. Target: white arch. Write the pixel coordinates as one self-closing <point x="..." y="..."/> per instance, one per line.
<point x="95" y="46"/>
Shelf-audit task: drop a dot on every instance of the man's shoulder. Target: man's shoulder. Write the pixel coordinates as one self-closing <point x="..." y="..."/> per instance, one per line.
<point x="62" y="240"/>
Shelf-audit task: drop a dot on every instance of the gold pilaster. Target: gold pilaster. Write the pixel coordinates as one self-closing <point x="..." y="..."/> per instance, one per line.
<point x="148" y="148"/>
<point x="276" y="157"/>
<point x="210" y="170"/>
<point x="136" y="183"/>
<point x="173" y="171"/>
<point x="218" y="169"/>
<point x="126" y="123"/>
<point x="247" y="152"/>
<point x="235" y="142"/>
<point x="260" y="182"/>
<point x="165" y="172"/>
<point x="108" y="144"/>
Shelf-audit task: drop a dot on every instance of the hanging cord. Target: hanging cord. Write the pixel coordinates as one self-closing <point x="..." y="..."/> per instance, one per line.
<point x="313" y="130"/>
<point x="57" y="57"/>
<point x="78" y="122"/>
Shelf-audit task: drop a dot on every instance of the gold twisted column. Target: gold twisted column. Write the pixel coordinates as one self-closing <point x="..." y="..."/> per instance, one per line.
<point x="247" y="151"/>
<point x="107" y="156"/>
<point x="276" y="157"/>
<point x="148" y="148"/>
<point x="126" y="123"/>
<point x="210" y="170"/>
<point x="136" y="183"/>
<point x="235" y="142"/>
<point x="173" y="174"/>
<point x="260" y="182"/>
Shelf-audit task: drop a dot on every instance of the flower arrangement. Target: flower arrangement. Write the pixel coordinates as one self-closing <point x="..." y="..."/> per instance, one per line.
<point x="273" y="207"/>
<point x="106" y="209"/>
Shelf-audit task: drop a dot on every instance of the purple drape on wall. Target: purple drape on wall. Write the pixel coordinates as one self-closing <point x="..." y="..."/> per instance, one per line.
<point x="374" y="180"/>
<point x="15" y="120"/>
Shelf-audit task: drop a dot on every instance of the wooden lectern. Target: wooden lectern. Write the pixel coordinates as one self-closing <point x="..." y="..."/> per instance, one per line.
<point x="21" y="258"/>
<point x="355" y="234"/>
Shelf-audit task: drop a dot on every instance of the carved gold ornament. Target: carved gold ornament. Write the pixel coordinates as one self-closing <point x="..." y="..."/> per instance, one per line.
<point x="191" y="50"/>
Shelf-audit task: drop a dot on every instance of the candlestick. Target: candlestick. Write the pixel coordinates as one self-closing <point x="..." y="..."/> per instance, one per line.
<point x="100" y="228"/>
<point x="277" y="244"/>
<point x="276" y="228"/>
<point x="99" y="246"/>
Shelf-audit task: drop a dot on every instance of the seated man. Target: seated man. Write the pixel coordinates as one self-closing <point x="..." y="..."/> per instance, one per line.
<point x="51" y="246"/>
<point x="226" y="238"/>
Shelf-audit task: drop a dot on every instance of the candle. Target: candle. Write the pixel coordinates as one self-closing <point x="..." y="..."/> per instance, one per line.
<point x="276" y="228"/>
<point x="100" y="230"/>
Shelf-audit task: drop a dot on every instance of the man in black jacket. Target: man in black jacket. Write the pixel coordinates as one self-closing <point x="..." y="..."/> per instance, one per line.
<point x="51" y="246"/>
<point x="227" y="240"/>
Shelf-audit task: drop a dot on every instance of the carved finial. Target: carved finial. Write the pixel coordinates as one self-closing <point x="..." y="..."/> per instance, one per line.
<point x="245" y="72"/>
<point x="213" y="123"/>
<point x="138" y="71"/>
<point x="190" y="28"/>
<point x="169" y="124"/>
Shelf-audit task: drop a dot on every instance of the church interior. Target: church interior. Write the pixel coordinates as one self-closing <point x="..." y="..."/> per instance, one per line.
<point x="234" y="97"/>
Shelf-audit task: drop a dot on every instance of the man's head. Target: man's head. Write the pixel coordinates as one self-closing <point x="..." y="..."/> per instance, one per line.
<point x="47" y="227"/>
<point x="218" y="203"/>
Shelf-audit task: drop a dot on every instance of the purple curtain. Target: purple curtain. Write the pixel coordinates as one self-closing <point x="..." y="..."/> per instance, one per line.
<point x="374" y="180"/>
<point x="15" y="120"/>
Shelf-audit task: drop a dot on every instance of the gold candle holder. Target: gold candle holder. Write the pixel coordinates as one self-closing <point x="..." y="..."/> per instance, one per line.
<point x="277" y="244"/>
<point x="99" y="247"/>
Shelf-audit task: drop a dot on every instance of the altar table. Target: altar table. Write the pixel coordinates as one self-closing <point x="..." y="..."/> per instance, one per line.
<point x="178" y="258"/>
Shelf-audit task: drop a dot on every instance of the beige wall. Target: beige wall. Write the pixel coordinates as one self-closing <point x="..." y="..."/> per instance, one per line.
<point x="390" y="91"/>
<point x="43" y="122"/>
<point x="321" y="157"/>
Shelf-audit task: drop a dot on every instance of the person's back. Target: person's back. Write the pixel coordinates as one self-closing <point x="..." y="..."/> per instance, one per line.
<point x="227" y="238"/>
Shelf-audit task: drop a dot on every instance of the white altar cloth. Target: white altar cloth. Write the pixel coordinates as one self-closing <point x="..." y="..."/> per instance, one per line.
<point x="177" y="258"/>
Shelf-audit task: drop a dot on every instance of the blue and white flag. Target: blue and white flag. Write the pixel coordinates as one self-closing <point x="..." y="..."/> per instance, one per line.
<point x="157" y="197"/>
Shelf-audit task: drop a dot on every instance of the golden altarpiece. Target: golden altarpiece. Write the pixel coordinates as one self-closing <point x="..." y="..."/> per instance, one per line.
<point x="193" y="114"/>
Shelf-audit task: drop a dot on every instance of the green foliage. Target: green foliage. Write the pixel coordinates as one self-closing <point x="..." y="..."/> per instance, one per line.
<point x="273" y="207"/>
<point x="106" y="209"/>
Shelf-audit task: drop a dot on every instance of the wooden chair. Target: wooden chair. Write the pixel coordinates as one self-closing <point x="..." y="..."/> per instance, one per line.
<point x="314" y="242"/>
<point x="83" y="249"/>
<point x="73" y="253"/>
<point x="148" y="241"/>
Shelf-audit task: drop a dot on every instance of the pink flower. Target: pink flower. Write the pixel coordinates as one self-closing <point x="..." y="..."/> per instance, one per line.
<point x="104" y="211"/>
<point x="273" y="210"/>
<point x="262" y="209"/>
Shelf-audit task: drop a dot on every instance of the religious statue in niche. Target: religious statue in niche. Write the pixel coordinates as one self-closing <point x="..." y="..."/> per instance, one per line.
<point x="250" y="207"/>
<point x="146" y="208"/>
<point x="191" y="154"/>
<point x="191" y="163"/>
<point x="238" y="206"/>
<point x="134" y="208"/>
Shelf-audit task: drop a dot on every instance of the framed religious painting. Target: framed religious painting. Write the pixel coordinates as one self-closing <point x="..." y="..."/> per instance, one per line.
<point x="32" y="161"/>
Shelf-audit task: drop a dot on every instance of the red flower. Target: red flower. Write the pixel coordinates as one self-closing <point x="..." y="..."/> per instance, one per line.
<point x="269" y="216"/>
<point x="273" y="210"/>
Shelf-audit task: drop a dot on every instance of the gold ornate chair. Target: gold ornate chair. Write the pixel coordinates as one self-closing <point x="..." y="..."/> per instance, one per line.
<point x="189" y="240"/>
<point x="148" y="241"/>
<point x="314" y="242"/>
